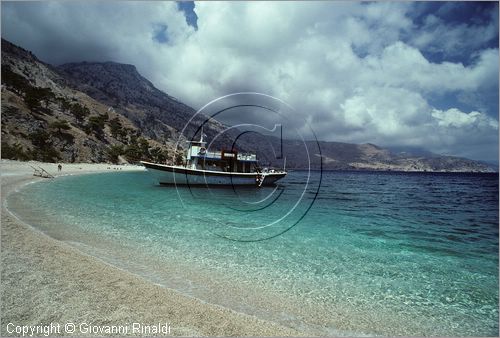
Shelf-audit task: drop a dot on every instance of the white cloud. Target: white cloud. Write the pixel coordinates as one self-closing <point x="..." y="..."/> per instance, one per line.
<point x="474" y="131"/>
<point x="401" y="65"/>
<point x="391" y="112"/>
<point x="457" y="119"/>
<point x="438" y="36"/>
<point x="344" y="66"/>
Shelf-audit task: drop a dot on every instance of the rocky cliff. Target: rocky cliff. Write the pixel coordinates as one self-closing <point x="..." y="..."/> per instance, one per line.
<point x="45" y="118"/>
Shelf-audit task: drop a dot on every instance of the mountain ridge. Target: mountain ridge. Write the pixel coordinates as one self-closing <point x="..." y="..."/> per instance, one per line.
<point x="149" y="121"/>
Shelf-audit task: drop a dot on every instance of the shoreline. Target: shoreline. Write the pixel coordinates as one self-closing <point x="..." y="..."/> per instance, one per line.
<point x="45" y="280"/>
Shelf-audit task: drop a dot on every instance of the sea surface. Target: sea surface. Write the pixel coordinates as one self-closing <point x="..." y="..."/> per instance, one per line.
<point x="337" y="253"/>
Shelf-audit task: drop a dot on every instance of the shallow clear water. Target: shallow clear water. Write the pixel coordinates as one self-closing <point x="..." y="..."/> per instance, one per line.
<point x="377" y="253"/>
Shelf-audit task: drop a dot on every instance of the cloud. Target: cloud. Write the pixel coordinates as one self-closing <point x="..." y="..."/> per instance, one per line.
<point x="457" y="119"/>
<point x="356" y="72"/>
<point x="59" y="32"/>
<point x="438" y="36"/>
<point x="380" y="110"/>
<point x="474" y="131"/>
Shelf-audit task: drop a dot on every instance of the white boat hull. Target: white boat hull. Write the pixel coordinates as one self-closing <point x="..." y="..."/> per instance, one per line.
<point x="176" y="175"/>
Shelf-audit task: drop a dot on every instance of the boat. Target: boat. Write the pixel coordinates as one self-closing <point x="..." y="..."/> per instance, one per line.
<point x="224" y="168"/>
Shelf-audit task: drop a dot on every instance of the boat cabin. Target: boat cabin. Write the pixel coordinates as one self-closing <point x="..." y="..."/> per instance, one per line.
<point x="197" y="157"/>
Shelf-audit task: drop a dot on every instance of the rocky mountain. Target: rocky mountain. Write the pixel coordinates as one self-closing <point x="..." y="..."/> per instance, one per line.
<point x="348" y="156"/>
<point x="108" y="112"/>
<point x="156" y="114"/>
<point x="371" y="157"/>
<point x="43" y="118"/>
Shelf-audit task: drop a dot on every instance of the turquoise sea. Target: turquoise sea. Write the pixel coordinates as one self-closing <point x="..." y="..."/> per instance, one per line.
<point x="362" y="253"/>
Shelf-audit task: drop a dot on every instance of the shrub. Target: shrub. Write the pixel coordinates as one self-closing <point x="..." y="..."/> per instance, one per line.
<point x="64" y="104"/>
<point x="60" y="126"/>
<point x="116" y="127"/>
<point x="48" y="155"/>
<point x="34" y="97"/>
<point x="133" y="153"/>
<point x="44" y="148"/>
<point x="40" y="139"/>
<point x="158" y="155"/>
<point x="113" y="152"/>
<point x="143" y="145"/>
<point x="179" y="158"/>
<point x="79" y="111"/>
<point x="17" y="83"/>
<point x="15" y="152"/>
<point x="96" y="124"/>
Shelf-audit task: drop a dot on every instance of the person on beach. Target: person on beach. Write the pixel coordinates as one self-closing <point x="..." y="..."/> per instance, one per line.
<point x="59" y="167"/>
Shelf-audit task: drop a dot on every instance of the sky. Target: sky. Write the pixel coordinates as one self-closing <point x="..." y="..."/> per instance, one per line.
<point x="419" y="75"/>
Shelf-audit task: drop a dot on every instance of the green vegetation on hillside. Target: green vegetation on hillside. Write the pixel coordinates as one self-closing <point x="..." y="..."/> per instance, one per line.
<point x="37" y="99"/>
<point x="95" y="125"/>
<point x="44" y="147"/>
<point x="35" y="96"/>
<point x="49" y="136"/>
<point x="15" y="152"/>
<point x="137" y="150"/>
<point x="15" y="82"/>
